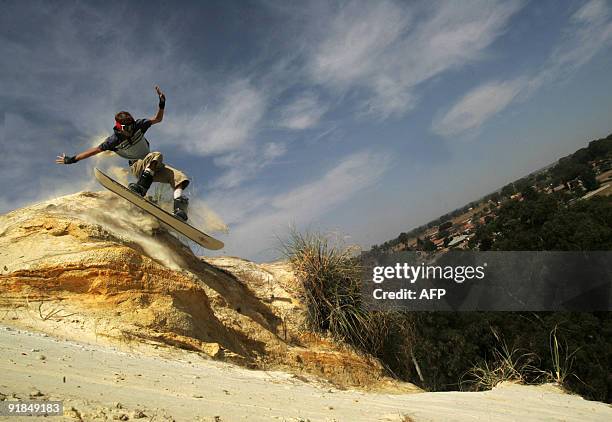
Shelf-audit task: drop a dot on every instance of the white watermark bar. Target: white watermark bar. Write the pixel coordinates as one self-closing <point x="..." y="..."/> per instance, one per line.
<point x="490" y="281"/>
<point x="31" y="408"/>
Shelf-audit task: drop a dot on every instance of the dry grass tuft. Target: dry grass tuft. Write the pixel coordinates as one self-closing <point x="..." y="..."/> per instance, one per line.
<point x="509" y="364"/>
<point x="331" y="287"/>
<point x="562" y="359"/>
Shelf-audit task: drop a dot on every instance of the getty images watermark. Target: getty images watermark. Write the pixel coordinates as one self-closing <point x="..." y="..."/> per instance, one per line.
<point x="489" y="281"/>
<point x="413" y="273"/>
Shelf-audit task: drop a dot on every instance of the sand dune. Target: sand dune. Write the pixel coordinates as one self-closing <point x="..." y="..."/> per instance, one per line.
<point x="114" y="316"/>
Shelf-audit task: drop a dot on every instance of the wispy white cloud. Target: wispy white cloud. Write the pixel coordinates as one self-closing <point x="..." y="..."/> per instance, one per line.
<point x="357" y="36"/>
<point x="350" y="175"/>
<point x="592" y="12"/>
<point x="256" y="231"/>
<point x="303" y="113"/>
<point x="589" y="33"/>
<point x="83" y="87"/>
<point x="241" y="166"/>
<point x="69" y="74"/>
<point x="387" y="48"/>
<point x="223" y="128"/>
<point x="477" y="106"/>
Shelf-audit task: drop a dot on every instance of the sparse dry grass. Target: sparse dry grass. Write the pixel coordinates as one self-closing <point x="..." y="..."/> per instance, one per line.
<point x="330" y="278"/>
<point x="514" y="365"/>
<point x="562" y="359"/>
<point x="509" y="364"/>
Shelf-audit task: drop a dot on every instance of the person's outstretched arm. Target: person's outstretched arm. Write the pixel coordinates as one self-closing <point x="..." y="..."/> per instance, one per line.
<point x="162" y="104"/>
<point x="64" y="159"/>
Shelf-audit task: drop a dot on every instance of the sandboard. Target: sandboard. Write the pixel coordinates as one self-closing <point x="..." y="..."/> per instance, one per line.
<point x="164" y="216"/>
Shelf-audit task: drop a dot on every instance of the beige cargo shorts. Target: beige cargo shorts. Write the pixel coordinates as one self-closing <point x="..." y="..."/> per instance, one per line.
<point x="163" y="172"/>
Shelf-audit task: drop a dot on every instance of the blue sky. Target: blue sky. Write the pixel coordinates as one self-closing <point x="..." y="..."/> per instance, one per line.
<point x="363" y="119"/>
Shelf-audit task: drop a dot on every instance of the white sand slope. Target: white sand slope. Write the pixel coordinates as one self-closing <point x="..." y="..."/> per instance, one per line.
<point x="102" y="383"/>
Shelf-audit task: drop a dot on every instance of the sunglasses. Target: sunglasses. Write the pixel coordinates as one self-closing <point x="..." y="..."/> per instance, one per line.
<point x="128" y="127"/>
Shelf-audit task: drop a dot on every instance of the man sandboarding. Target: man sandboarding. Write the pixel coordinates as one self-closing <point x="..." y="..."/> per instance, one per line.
<point x="128" y="141"/>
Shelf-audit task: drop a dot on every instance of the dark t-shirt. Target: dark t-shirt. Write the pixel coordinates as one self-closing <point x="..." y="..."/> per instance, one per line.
<point x="111" y="143"/>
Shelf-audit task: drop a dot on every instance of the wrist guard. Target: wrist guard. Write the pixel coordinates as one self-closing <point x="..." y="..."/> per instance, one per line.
<point x="70" y="159"/>
<point x="162" y="103"/>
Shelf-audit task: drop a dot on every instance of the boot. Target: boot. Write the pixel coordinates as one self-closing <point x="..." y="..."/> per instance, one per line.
<point x="180" y="207"/>
<point x="144" y="183"/>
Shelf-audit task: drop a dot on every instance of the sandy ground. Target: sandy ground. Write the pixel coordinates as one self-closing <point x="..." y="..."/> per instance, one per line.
<point x="100" y="382"/>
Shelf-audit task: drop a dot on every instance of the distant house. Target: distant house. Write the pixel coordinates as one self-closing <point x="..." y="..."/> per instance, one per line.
<point x="457" y="240"/>
<point x="430" y="232"/>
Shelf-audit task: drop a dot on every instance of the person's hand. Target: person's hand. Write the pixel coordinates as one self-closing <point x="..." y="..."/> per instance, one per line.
<point x="63" y="159"/>
<point x="162" y="96"/>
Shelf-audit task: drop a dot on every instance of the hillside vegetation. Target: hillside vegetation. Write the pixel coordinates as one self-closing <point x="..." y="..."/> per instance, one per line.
<point x="547" y="210"/>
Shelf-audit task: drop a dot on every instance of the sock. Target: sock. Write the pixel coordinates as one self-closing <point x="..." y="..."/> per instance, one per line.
<point x="178" y="192"/>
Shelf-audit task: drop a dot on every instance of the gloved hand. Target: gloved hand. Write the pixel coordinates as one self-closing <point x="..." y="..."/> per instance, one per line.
<point x="162" y="97"/>
<point x="66" y="159"/>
